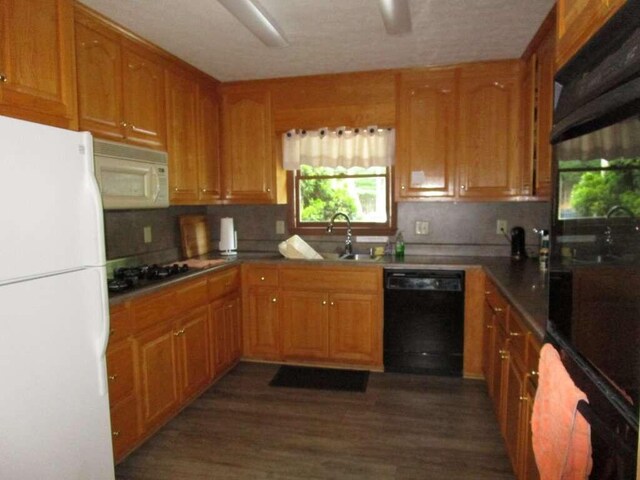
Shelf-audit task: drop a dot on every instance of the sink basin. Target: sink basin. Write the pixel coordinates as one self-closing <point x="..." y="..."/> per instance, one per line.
<point x="352" y="257"/>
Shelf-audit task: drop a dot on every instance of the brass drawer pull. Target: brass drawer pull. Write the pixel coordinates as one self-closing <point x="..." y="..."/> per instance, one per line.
<point x="515" y="334"/>
<point x="115" y="434"/>
<point x="113" y="377"/>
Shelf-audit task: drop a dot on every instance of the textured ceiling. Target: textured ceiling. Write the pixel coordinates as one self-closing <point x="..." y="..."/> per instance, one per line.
<point x="329" y="36"/>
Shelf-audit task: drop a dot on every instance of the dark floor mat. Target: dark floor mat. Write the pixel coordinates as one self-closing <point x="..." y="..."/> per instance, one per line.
<point x="321" y="378"/>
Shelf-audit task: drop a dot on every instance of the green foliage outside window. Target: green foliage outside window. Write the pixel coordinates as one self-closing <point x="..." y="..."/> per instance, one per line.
<point x="592" y="193"/>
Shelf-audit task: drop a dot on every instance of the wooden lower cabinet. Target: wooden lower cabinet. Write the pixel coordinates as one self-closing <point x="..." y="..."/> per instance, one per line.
<point x="305" y="325"/>
<point x="225" y="334"/>
<point x="354" y="328"/>
<point x="510" y="360"/>
<point x="159" y="389"/>
<point x="313" y="314"/>
<point x="193" y="352"/>
<point x="262" y="326"/>
<point x="166" y="348"/>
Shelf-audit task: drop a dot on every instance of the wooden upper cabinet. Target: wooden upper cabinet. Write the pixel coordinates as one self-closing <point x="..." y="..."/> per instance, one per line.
<point x="182" y="111"/>
<point x="209" y="145"/>
<point x="489" y="120"/>
<point x="537" y="109"/>
<point x="249" y="166"/>
<point x="544" y="106"/>
<point x="99" y="61"/>
<point x="37" y="72"/>
<point x="426" y="126"/>
<point x="120" y="84"/>
<point x="143" y="98"/>
<point x="578" y="20"/>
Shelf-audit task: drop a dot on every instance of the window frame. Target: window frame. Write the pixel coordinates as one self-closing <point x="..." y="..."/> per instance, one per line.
<point x="320" y="228"/>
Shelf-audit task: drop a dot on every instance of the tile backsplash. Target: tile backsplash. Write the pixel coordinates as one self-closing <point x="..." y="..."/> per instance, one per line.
<point x="455" y="228"/>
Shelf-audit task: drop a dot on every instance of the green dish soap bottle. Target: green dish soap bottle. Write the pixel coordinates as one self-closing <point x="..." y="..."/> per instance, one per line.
<point x="399" y="245"/>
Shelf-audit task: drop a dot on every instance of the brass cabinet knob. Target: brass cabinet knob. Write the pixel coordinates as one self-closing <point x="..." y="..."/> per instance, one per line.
<point x="402" y="187"/>
<point x="123" y="124"/>
<point x="3" y="78"/>
<point x="324" y="302"/>
<point x="462" y="187"/>
<point x="113" y="377"/>
<point x="524" y="398"/>
<point x="533" y="373"/>
<point x="489" y="327"/>
<point x="332" y="304"/>
<point x="268" y="190"/>
<point x="497" y="310"/>
<point x="515" y="334"/>
<point x="274" y="299"/>
<point x="116" y="434"/>
<point x="262" y="279"/>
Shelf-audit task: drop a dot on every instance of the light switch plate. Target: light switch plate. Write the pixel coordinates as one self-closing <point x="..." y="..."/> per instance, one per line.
<point x="147" y="234"/>
<point x="501" y="227"/>
<point x="422" y="227"/>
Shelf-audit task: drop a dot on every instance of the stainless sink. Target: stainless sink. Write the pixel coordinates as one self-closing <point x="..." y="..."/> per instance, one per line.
<point x="350" y="257"/>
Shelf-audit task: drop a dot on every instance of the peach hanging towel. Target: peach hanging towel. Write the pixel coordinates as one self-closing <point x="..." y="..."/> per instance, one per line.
<point x="561" y="435"/>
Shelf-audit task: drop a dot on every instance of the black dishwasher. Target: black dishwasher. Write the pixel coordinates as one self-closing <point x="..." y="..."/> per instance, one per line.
<point x="423" y="321"/>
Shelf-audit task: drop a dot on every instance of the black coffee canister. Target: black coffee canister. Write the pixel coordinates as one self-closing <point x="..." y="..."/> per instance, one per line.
<point x="518" y="251"/>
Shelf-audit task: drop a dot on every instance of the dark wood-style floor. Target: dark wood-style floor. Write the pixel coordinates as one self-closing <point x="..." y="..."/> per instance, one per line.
<point x="403" y="427"/>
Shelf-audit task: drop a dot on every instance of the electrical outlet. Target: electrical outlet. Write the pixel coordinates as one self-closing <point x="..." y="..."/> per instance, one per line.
<point x="422" y="227"/>
<point x="279" y="227"/>
<point x="147" y="234"/>
<point x="501" y="227"/>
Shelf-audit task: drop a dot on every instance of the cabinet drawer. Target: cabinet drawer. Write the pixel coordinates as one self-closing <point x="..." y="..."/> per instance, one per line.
<point x="124" y="427"/>
<point x="153" y="308"/>
<point x="497" y="303"/>
<point x="257" y="275"/>
<point x="223" y="283"/>
<point x="518" y="334"/>
<point x="120" y="371"/>
<point x="120" y="325"/>
<point x="346" y="279"/>
<point x="192" y="294"/>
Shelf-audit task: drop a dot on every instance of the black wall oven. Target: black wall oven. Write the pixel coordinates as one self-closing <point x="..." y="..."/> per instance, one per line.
<point x="594" y="307"/>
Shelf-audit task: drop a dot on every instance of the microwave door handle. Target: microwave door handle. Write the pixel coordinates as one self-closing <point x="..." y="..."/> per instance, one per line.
<point x="156" y="180"/>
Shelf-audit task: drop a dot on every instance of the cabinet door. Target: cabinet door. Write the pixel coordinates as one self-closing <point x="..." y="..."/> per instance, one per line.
<point x="488" y="346"/>
<point x="209" y="145"/>
<point x="233" y="325"/>
<point x="354" y="328"/>
<point x="99" y="64"/>
<point x="426" y="128"/>
<point x="160" y="393"/>
<point x="37" y="73"/>
<point x="514" y="395"/>
<point x="544" y="105"/>
<point x="529" y="468"/>
<point x="143" y="98"/>
<point x="220" y="352"/>
<point x="193" y="341"/>
<point x="305" y="325"/>
<point x="249" y="166"/>
<point x="489" y="119"/>
<point x="182" y="134"/>
<point x="124" y="428"/>
<point x="120" y="371"/>
<point x="262" y="328"/>
<point x="501" y="364"/>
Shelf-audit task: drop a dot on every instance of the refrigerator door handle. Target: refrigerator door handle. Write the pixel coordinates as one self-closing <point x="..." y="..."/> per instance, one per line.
<point x="103" y="338"/>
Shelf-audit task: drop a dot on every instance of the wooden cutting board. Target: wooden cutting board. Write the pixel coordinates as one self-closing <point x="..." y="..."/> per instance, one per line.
<point x="195" y="235"/>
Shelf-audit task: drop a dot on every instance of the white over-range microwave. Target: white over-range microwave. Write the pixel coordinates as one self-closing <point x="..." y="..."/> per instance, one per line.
<point x="130" y="177"/>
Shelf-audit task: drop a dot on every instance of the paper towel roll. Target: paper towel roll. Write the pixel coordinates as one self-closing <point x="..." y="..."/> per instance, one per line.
<point x="227" y="243"/>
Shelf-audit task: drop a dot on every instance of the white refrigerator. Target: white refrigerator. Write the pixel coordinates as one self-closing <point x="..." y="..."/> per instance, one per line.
<point x="54" y="319"/>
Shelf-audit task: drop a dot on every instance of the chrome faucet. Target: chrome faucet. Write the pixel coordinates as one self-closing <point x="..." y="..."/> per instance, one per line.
<point x="348" y="245"/>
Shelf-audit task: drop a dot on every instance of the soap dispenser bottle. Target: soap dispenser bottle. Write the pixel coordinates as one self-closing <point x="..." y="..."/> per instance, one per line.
<point x="399" y="245"/>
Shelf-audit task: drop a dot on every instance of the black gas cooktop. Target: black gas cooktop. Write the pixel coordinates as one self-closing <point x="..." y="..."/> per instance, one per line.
<point x="129" y="278"/>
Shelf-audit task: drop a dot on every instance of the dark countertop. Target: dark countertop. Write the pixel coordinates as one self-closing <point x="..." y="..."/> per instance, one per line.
<point x="521" y="282"/>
